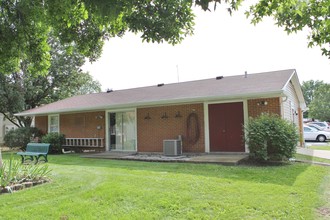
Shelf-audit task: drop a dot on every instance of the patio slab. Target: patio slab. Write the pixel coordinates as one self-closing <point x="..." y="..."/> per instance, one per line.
<point x="218" y="158"/>
<point x="225" y="159"/>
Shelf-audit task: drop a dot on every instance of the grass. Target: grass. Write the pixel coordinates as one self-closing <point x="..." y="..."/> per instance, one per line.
<point x="84" y="188"/>
<point x="320" y="147"/>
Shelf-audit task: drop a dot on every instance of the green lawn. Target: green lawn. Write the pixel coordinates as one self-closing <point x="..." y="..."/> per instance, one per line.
<point x="84" y="188"/>
<point x="320" y="147"/>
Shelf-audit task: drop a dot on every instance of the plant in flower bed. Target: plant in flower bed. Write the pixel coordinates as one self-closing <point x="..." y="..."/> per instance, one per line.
<point x="55" y="140"/>
<point x="16" y="176"/>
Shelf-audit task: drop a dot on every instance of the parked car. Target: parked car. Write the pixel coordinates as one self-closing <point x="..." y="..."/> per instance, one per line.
<point x="322" y="124"/>
<point x="313" y="134"/>
<point x="318" y="127"/>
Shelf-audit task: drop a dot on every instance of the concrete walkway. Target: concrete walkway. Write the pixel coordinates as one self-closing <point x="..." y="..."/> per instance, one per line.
<point x="224" y="159"/>
<point x="314" y="153"/>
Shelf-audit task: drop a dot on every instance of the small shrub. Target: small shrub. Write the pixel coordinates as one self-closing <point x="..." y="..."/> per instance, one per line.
<point x="270" y="137"/>
<point x="55" y="140"/>
<point x="20" y="137"/>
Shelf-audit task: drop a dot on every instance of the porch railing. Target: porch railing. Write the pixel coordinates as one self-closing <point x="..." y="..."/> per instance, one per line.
<point x="84" y="142"/>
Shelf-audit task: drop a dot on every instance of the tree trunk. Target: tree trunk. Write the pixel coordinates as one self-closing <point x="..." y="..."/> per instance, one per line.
<point x="0" y="159"/>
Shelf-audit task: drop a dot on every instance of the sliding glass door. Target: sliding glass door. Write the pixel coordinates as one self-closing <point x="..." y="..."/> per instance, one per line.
<point x="122" y="131"/>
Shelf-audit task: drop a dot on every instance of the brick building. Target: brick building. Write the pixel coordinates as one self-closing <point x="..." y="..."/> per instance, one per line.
<point x="207" y="114"/>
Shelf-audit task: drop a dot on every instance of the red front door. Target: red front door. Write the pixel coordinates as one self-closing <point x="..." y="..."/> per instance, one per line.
<point x="226" y="127"/>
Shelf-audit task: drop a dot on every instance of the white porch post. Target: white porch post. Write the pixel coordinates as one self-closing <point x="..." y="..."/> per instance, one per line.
<point x="206" y="128"/>
<point x="246" y="120"/>
<point x="106" y="138"/>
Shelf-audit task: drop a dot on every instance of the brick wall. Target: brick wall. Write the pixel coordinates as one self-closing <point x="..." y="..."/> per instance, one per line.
<point x="83" y="125"/>
<point x="41" y="122"/>
<point x="78" y="125"/>
<point x="151" y="132"/>
<point x="255" y="109"/>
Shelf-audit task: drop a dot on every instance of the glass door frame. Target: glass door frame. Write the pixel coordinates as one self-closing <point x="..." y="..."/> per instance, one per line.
<point x="107" y="131"/>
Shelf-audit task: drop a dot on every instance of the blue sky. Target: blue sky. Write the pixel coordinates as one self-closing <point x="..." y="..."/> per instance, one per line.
<point x="222" y="45"/>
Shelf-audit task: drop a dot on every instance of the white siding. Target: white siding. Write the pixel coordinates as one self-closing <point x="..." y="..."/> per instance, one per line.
<point x="5" y="126"/>
<point x="290" y="105"/>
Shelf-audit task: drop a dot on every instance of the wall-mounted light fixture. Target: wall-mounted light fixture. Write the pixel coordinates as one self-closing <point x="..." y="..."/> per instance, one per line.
<point x="147" y="117"/>
<point x="178" y="114"/>
<point x="99" y="117"/>
<point x="262" y="103"/>
<point x="164" y="116"/>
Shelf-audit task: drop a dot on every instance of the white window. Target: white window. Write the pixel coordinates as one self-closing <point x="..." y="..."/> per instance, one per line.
<point x="53" y="123"/>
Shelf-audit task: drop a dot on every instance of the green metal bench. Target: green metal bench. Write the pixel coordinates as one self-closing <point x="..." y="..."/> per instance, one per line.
<point x="35" y="150"/>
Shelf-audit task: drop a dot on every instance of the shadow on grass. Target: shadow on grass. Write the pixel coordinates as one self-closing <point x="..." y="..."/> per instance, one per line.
<point x="285" y="174"/>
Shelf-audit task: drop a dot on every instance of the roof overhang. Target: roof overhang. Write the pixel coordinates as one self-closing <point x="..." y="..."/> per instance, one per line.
<point x="296" y="84"/>
<point x="270" y="94"/>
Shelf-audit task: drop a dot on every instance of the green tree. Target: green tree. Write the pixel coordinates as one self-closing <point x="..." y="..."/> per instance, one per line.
<point x="308" y="89"/>
<point x="320" y="105"/>
<point x="295" y="15"/>
<point x="25" y="26"/>
<point x="85" y="24"/>
<point x="23" y="90"/>
<point x="292" y="15"/>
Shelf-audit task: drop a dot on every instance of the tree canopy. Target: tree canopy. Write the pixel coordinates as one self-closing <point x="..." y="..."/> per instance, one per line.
<point x="295" y="15"/>
<point x="320" y="106"/>
<point x="317" y="97"/>
<point x="85" y="24"/>
<point x="23" y="90"/>
<point x="308" y="88"/>
<point x="25" y="26"/>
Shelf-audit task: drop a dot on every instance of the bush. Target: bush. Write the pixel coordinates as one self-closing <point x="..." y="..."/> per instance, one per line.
<point x="270" y="137"/>
<point x="55" y="140"/>
<point x="20" y="137"/>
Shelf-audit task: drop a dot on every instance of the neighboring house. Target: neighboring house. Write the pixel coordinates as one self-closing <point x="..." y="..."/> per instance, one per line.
<point x="208" y="114"/>
<point x="5" y="126"/>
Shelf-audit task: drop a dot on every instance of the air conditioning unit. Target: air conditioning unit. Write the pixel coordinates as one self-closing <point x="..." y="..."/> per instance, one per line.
<point x="172" y="147"/>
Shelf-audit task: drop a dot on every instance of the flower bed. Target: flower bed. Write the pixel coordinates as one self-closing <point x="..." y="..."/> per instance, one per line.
<point x="16" y="176"/>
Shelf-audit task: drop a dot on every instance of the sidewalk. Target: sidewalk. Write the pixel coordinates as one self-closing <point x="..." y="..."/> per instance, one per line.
<point x="315" y="153"/>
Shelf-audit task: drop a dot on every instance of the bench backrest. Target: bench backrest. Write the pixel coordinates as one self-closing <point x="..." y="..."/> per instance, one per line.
<point x="37" y="147"/>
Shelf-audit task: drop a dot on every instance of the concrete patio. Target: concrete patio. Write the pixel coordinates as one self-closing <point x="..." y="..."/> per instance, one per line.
<point x="214" y="158"/>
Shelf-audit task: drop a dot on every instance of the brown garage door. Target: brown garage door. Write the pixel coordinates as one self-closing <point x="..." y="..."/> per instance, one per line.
<point x="225" y="126"/>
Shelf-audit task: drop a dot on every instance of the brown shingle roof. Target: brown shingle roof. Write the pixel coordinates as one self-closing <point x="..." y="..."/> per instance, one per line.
<point x="231" y="87"/>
